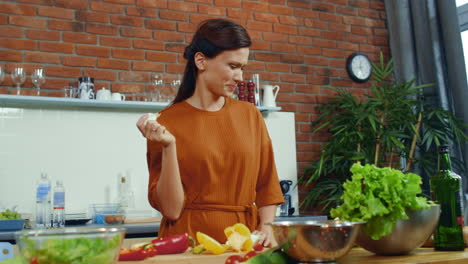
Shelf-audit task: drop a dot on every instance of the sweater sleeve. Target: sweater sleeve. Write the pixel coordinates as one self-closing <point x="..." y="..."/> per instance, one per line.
<point x="153" y="158"/>
<point x="268" y="188"/>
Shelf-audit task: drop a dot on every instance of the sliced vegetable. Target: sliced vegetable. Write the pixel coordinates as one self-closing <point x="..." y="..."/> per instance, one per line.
<point x="151" y="251"/>
<point x="173" y="244"/>
<point x="249" y="255"/>
<point x="132" y="255"/>
<point x="198" y="249"/>
<point x="239" y="237"/>
<point x="210" y="243"/>
<point x="258" y="247"/>
<point x="234" y="259"/>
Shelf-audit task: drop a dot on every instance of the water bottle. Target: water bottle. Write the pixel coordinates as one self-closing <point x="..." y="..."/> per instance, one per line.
<point x="43" y="205"/>
<point x="58" y="219"/>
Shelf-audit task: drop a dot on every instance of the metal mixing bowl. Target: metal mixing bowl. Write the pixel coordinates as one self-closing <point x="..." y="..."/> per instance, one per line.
<point x="407" y="234"/>
<point x="315" y="241"/>
<point x="71" y="245"/>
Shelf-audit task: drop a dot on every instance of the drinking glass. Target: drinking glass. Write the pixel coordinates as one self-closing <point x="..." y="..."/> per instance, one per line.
<point x="38" y="79"/>
<point x="67" y="92"/>
<point x="175" y="84"/>
<point x="18" y="76"/>
<point x="158" y="83"/>
<point x="2" y="74"/>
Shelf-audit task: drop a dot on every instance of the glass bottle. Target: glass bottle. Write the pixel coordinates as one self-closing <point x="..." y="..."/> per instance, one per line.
<point x="446" y="190"/>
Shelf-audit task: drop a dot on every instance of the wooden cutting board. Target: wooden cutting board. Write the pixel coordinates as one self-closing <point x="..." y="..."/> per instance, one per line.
<point x="417" y="256"/>
<point x="355" y="256"/>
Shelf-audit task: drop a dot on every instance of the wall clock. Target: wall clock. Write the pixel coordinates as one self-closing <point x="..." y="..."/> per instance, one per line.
<point x="359" y="67"/>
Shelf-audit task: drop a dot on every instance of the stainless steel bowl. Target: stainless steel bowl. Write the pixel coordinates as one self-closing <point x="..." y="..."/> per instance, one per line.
<point x="315" y="241"/>
<point x="407" y="234"/>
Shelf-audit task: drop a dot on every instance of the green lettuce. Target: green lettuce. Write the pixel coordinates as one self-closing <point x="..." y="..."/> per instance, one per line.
<point x="379" y="197"/>
<point x="71" y="251"/>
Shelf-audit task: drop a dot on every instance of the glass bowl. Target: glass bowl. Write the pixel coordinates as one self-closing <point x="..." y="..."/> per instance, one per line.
<point x="70" y="245"/>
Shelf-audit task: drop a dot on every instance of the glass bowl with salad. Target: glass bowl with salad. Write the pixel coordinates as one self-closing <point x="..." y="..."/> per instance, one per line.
<point x="91" y="245"/>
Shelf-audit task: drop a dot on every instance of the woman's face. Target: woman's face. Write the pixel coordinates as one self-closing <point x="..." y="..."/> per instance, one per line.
<point x="222" y="73"/>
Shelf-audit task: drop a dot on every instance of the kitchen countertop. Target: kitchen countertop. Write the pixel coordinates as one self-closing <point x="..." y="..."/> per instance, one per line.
<point x="355" y="256"/>
<point x="150" y="229"/>
<point x="133" y="230"/>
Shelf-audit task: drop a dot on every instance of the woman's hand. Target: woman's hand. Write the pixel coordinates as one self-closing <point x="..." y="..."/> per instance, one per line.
<point x="154" y="131"/>
<point x="266" y="236"/>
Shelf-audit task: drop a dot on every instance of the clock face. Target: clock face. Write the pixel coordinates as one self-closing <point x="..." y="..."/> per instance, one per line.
<point x="359" y="67"/>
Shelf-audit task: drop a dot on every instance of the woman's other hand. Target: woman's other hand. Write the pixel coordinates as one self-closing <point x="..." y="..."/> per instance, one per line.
<point x="266" y="238"/>
<point x="153" y="131"/>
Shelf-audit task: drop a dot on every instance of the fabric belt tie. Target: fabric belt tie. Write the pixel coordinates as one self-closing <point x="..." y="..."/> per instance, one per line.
<point x="251" y="210"/>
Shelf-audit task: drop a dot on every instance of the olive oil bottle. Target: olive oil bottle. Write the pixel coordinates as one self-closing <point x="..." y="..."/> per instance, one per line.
<point x="446" y="190"/>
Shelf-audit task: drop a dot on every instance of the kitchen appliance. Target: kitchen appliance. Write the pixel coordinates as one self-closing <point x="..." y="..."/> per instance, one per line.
<point x="86" y="88"/>
<point x="285" y="208"/>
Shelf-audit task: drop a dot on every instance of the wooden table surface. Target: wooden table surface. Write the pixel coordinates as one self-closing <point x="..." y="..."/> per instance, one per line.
<point x="355" y="256"/>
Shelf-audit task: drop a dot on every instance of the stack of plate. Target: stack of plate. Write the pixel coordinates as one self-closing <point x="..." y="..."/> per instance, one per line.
<point x="76" y="219"/>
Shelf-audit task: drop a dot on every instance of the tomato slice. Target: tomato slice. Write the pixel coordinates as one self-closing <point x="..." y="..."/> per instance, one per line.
<point x="234" y="259"/>
<point x="258" y="247"/>
<point x="250" y="254"/>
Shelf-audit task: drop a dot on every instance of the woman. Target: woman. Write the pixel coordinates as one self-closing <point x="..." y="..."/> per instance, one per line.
<point x="209" y="156"/>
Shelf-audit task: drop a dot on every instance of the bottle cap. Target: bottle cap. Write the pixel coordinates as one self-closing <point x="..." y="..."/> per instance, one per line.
<point x="443" y="149"/>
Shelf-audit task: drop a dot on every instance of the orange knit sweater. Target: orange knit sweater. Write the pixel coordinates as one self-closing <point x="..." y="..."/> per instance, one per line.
<point x="226" y="164"/>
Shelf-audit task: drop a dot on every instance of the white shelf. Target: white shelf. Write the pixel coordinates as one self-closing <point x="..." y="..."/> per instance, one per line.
<point x="21" y="101"/>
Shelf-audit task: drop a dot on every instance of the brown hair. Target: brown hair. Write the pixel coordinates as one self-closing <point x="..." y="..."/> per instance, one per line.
<point x="212" y="37"/>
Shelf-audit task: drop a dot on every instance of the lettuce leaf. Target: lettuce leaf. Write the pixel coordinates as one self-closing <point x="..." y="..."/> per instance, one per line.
<point x="74" y="250"/>
<point x="379" y="197"/>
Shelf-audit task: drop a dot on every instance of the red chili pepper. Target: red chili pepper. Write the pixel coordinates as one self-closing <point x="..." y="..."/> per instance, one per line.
<point x="33" y="261"/>
<point x="172" y="244"/>
<point x="132" y="255"/>
<point x="150" y="250"/>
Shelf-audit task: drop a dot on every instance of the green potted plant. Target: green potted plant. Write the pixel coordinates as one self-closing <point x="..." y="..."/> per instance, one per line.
<point x="384" y="127"/>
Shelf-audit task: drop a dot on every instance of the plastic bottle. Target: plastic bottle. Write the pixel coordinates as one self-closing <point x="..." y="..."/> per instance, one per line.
<point x="446" y="191"/>
<point x="58" y="219"/>
<point x="43" y="206"/>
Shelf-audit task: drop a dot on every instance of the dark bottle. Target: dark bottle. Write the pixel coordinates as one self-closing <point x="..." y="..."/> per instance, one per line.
<point x="446" y="191"/>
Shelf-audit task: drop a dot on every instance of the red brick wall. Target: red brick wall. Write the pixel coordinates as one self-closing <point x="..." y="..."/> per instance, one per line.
<point x="300" y="45"/>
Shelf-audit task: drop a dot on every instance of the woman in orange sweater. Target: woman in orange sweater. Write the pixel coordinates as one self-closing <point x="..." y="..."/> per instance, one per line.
<point x="210" y="157"/>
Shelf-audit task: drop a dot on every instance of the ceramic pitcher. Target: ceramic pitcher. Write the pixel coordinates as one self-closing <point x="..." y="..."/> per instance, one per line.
<point x="269" y="94"/>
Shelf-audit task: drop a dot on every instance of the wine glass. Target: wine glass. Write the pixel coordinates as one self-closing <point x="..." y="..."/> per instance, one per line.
<point x="38" y="79"/>
<point x="18" y="76"/>
<point x="158" y="83"/>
